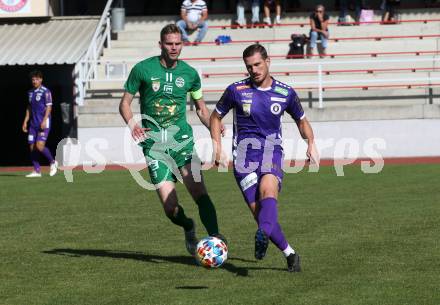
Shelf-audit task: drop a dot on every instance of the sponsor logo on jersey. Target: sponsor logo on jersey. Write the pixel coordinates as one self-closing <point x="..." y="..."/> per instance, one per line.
<point x="158" y="107"/>
<point x="248" y="181"/>
<point x="12" y="5"/>
<point x="171" y="109"/>
<point x="278" y="99"/>
<point x="247" y="94"/>
<point x="180" y="82"/>
<point x="242" y="87"/>
<point x="275" y="108"/>
<point x="168" y="89"/>
<point x="38" y="97"/>
<point x="282" y="91"/>
<point x="155" y="85"/>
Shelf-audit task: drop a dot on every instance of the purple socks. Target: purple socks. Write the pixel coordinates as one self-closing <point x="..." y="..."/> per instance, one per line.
<point x="46" y="153"/>
<point x="278" y="238"/>
<point x="34" y="158"/>
<point x="268" y="222"/>
<point x="267" y="215"/>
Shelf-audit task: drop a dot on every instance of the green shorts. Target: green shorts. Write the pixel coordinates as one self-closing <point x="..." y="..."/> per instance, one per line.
<point x="163" y="163"/>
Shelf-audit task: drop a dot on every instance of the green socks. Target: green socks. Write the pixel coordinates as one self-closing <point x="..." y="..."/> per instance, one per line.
<point x="207" y="213"/>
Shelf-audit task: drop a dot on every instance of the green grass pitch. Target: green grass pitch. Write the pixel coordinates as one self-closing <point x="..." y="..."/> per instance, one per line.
<point x="364" y="239"/>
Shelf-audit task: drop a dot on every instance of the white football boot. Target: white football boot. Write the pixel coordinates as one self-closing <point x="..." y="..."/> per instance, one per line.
<point x="53" y="168"/>
<point x="34" y="174"/>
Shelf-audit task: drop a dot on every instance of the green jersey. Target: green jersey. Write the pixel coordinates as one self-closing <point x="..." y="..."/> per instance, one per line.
<point x="163" y="92"/>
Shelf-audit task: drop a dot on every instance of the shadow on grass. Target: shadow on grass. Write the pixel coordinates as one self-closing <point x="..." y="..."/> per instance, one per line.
<point x="155" y="259"/>
<point x="17" y="175"/>
<point x="192" y="287"/>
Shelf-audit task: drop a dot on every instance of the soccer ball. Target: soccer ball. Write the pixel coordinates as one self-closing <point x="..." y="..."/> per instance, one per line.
<point x="212" y="252"/>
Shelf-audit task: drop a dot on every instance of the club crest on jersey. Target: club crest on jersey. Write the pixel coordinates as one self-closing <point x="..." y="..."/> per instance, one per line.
<point x="275" y="108"/>
<point x="282" y="91"/>
<point x="155" y="85"/>
<point x="180" y="82"/>
<point x="247" y="109"/>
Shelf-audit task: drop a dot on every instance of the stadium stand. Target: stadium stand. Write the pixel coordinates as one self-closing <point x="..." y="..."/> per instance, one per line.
<point x="367" y="65"/>
<point x="61" y="40"/>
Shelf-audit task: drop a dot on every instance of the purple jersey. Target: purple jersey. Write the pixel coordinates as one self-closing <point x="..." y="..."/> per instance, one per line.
<point x="39" y="99"/>
<point x="257" y="143"/>
<point x="257" y="112"/>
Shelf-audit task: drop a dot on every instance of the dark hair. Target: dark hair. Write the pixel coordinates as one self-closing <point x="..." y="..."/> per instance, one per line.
<point x="255" y="48"/>
<point x="169" y="29"/>
<point x="320" y="6"/>
<point x="36" y="73"/>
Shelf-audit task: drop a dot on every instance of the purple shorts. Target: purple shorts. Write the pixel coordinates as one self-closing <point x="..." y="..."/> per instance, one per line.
<point x="248" y="176"/>
<point x="37" y="135"/>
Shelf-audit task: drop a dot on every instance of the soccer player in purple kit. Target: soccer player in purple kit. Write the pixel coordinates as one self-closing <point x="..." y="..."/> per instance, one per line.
<point x="38" y="114"/>
<point x="258" y="103"/>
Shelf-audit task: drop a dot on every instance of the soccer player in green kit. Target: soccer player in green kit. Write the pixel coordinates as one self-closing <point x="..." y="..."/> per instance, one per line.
<point x="165" y="135"/>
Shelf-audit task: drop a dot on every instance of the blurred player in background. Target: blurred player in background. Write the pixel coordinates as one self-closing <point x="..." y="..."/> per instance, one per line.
<point x="166" y="137"/>
<point x="38" y="115"/>
<point x="258" y="103"/>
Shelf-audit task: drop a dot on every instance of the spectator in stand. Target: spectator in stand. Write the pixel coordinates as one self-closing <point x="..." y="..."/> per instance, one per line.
<point x="267" y="5"/>
<point x="389" y="10"/>
<point x="194" y="14"/>
<point x="319" y="30"/>
<point x="343" y="9"/>
<point x="241" y="20"/>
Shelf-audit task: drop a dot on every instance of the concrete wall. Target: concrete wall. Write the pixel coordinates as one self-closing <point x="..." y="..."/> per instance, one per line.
<point x="335" y="140"/>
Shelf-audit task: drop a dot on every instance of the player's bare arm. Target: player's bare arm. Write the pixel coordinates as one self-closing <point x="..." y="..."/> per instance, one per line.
<point x="46" y="116"/>
<point x="216" y="127"/>
<point x="204" y="115"/>
<point x="26" y="119"/>
<point x="202" y="111"/>
<point x="306" y="131"/>
<point x="137" y="132"/>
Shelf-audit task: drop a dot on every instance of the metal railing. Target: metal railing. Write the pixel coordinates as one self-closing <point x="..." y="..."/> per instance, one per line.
<point x="86" y="68"/>
<point x="319" y="84"/>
